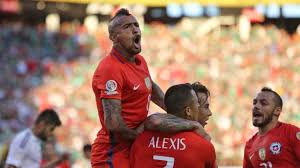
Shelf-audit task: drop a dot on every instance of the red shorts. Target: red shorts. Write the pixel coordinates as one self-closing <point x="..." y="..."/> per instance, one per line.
<point x="108" y="156"/>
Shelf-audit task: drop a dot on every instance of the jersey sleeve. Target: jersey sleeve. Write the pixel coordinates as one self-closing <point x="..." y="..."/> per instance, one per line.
<point x="294" y="138"/>
<point x="108" y="81"/>
<point x="246" y="160"/>
<point x="16" y="153"/>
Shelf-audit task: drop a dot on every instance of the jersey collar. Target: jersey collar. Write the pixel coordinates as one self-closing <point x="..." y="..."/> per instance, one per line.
<point x="121" y="59"/>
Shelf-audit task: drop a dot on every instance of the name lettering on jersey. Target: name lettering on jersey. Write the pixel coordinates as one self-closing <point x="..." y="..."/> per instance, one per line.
<point x="275" y="148"/>
<point x="298" y="135"/>
<point x="262" y="154"/>
<point x="167" y="143"/>
<point x="111" y="87"/>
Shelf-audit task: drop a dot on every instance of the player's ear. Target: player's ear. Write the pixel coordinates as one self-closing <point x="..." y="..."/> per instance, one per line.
<point x="113" y="37"/>
<point x="188" y="113"/>
<point x="277" y="111"/>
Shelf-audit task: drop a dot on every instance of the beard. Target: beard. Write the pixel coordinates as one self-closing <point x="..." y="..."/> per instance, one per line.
<point x="133" y="50"/>
<point x="265" y="122"/>
<point x="42" y="137"/>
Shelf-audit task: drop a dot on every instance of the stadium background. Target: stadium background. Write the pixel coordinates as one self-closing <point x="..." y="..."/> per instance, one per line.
<point x="49" y="50"/>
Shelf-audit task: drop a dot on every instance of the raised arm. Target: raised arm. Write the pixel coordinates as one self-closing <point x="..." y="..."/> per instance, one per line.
<point x="158" y="96"/>
<point x="114" y="122"/>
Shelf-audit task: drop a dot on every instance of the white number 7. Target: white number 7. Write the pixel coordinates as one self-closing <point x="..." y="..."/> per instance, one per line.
<point x="170" y="160"/>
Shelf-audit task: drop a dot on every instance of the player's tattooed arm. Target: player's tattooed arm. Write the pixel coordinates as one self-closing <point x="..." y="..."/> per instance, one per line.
<point x="114" y="122"/>
<point x="158" y="96"/>
<point x="169" y="123"/>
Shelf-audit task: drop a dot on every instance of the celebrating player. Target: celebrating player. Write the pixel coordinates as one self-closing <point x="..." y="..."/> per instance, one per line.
<point x="123" y="89"/>
<point x="154" y="149"/>
<point x="276" y="144"/>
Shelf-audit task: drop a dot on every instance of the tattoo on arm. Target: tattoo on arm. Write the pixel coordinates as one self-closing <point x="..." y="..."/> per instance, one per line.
<point x="169" y="123"/>
<point x="158" y="96"/>
<point x="114" y="122"/>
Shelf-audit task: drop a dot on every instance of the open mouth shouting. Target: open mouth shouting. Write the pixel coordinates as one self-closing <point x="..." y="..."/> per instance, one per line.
<point x="256" y="115"/>
<point x="137" y="41"/>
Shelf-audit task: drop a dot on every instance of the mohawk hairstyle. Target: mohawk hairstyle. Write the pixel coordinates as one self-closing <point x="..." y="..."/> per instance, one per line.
<point x="277" y="98"/>
<point x="120" y="12"/>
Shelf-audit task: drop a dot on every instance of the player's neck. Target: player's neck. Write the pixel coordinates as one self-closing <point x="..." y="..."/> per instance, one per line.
<point x="123" y="53"/>
<point x="267" y="128"/>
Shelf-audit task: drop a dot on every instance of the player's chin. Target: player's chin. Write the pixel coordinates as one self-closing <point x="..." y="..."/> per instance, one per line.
<point x="257" y="123"/>
<point x="136" y="50"/>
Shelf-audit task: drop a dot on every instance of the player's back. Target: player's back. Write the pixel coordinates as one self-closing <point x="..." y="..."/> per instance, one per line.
<point x="180" y="150"/>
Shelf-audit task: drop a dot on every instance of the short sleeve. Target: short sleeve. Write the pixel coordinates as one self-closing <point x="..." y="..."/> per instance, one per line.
<point x="294" y="138"/>
<point x="16" y="153"/>
<point x="108" y="82"/>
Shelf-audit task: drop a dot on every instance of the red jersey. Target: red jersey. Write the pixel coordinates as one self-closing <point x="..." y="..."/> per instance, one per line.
<point x="116" y="78"/>
<point x="180" y="150"/>
<point x="278" y="148"/>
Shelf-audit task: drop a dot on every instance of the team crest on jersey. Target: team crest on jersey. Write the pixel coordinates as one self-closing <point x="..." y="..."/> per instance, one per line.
<point x="148" y="82"/>
<point x="275" y="148"/>
<point x="111" y="87"/>
<point x="262" y="153"/>
<point x="298" y="135"/>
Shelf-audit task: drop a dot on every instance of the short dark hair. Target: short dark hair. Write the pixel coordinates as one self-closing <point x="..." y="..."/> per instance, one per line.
<point x="199" y="88"/>
<point x="49" y="116"/>
<point x="87" y="147"/>
<point x="120" y="12"/>
<point x="277" y="98"/>
<point x="177" y="98"/>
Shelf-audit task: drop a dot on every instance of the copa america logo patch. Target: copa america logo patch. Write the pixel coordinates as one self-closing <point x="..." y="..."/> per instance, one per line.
<point x="111" y="87"/>
<point x="275" y="148"/>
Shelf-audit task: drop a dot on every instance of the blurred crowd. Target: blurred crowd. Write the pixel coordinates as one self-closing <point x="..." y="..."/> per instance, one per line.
<point x="41" y="69"/>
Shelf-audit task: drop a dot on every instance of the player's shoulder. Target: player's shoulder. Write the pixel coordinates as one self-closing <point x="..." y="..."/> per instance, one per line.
<point x="146" y="134"/>
<point x="288" y="128"/>
<point x="108" y="64"/>
<point x="250" y="141"/>
<point x="110" y="60"/>
<point x="22" y="138"/>
<point x="287" y="125"/>
<point x="193" y="137"/>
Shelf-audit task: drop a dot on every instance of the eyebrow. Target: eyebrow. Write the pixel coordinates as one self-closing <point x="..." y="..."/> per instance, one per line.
<point x="129" y="23"/>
